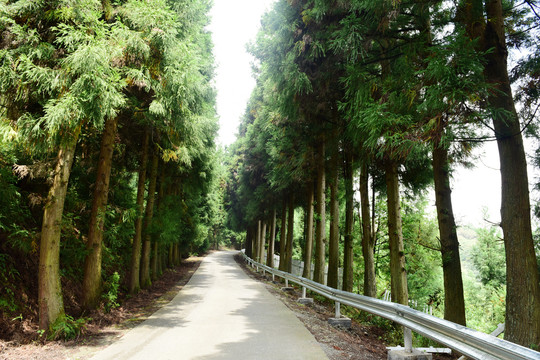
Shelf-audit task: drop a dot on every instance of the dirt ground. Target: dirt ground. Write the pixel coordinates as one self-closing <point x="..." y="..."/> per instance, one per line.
<point x="360" y="342"/>
<point x="104" y="328"/>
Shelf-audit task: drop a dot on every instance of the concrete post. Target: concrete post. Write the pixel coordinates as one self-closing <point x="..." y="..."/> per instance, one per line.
<point x="407" y="339"/>
<point x="338" y="320"/>
<point x="304" y="300"/>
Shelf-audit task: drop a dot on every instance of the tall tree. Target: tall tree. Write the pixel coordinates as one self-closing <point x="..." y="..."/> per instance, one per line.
<point x="333" y="246"/>
<point x="145" y="278"/>
<point x="320" y="225"/>
<point x="92" y="264"/>
<point x="283" y="237"/>
<point x="485" y="23"/>
<point x="368" y="238"/>
<point x="308" y="251"/>
<point x="348" y="253"/>
<point x="290" y="233"/>
<point x="400" y="293"/>
<point x="271" y="240"/>
<point x="135" y="274"/>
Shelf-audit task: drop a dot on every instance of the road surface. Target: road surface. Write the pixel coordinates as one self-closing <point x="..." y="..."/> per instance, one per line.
<point x="220" y="314"/>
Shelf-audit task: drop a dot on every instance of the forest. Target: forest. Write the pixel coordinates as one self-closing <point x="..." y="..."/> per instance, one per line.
<point x="107" y="153"/>
<point x="110" y="172"/>
<point x="362" y="109"/>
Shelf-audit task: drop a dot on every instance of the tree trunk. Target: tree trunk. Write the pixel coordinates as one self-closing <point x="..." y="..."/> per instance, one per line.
<point x="177" y="257"/>
<point x="283" y="237"/>
<point x="145" y="257"/>
<point x="134" y="283"/>
<point x="271" y="241"/>
<point x="91" y="286"/>
<point x="454" y="303"/>
<point x="258" y="242"/>
<point x="308" y="252"/>
<point x="333" y="246"/>
<point x="171" y="256"/>
<point x="522" y="278"/>
<point x="320" y="230"/>
<point x="368" y="241"/>
<point x="290" y="234"/>
<point x="154" y="262"/>
<point x="395" y="236"/>
<point x="160" y="206"/>
<point x="348" y="255"/>
<point x="263" y="242"/>
<point x="249" y="243"/>
<point x="51" y="304"/>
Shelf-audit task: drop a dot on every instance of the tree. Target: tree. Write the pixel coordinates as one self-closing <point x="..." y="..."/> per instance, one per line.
<point x="485" y="24"/>
<point x="368" y="236"/>
<point x="134" y="283"/>
<point x="333" y="248"/>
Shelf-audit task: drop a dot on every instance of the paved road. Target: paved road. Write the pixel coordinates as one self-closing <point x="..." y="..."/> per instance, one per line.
<point x="220" y="314"/>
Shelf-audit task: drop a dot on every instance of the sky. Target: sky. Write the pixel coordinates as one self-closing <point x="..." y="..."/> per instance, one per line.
<point x="236" y="22"/>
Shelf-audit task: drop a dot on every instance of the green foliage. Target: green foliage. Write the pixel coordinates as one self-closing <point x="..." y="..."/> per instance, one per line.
<point x="8" y="279"/>
<point x="67" y="328"/>
<point x="489" y="259"/>
<point x="110" y="294"/>
<point x="486" y="305"/>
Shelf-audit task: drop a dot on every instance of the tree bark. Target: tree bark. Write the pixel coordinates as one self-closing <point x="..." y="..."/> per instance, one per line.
<point x="170" y="262"/>
<point x="333" y="245"/>
<point x="454" y="303"/>
<point x="50" y="301"/>
<point x="348" y="255"/>
<point x="155" y="244"/>
<point x="271" y="241"/>
<point x="134" y="283"/>
<point x="395" y="236"/>
<point x="290" y="234"/>
<point x="320" y="230"/>
<point x="258" y="242"/>
<point x="249" y="243"/>
<point x="368" y="241"/>
<point x="149" y="214"/>
<point x="522" y="278"/>
<point x="91" y="286"/>
<point x="283" y="237"/>
<point x="308" y="252"/>
<point x="177" y="257"/>
<point x="263" y="242"/>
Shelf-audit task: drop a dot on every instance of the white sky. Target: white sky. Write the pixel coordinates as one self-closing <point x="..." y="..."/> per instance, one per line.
<point x="234" y="24"/>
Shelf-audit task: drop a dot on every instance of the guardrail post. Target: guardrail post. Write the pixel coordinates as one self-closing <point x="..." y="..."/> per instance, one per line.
<point x="305" y="300"/>
<point x="273" y="277"/>
<point x="407" y="339"/>
<point x="286" y="283"/>
<point x="338" y="320"/>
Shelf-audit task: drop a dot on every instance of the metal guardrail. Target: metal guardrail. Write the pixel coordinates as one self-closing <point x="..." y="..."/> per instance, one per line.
<point x="469" y="342"/>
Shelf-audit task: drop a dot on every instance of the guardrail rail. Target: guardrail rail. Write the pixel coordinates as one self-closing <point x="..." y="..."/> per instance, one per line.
<point x="469" y="342"/>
